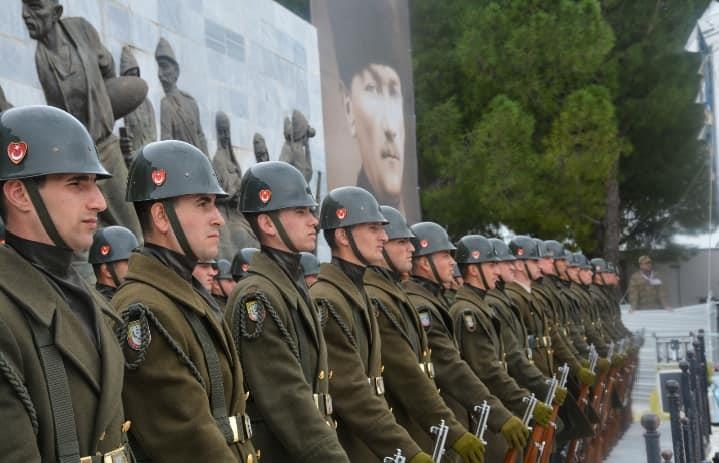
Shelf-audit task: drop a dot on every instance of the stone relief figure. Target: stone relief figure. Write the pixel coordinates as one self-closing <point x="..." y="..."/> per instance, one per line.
<point x="77" y="74"/>
<point x="140" y="125"/>
<point x="179" y="113"/>
<point x="296" y="150"/>
<point x="4" y="103"/>
<point x="237" y="233"/>
<point x="260" y="148"/>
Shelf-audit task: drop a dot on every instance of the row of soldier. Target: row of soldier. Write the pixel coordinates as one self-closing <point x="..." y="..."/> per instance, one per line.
<point x="360" y="366"/>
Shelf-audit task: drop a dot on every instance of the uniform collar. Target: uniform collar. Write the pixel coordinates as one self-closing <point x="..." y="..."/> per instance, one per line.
<point x="431" y="286"/>
<point x="179" y="263"/>
<point x="52" y="259"/>
<point x="353" y="271"/>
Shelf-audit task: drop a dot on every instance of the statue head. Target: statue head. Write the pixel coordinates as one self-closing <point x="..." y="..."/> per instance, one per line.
<point x="168" y="71"/>
<point x="260" y="148"/>
<point x="40" y="16"/>
<point x="222" y="123"/>
<point x="301" y="129"/>
<point x="128" y="63"/>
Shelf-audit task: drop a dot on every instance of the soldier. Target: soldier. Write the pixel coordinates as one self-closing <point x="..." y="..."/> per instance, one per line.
<point x="183" y="381"/>
<point x="310" y="267"/>
<point x="513" y="332"/>
<point x="241" y="263"/>
<point x="646" y="290"/>
<point x="353" y="227"/>
<point x="476" y="328"/>
<point x="60" y="364"/>
<point x="276" y="326"/>
<point x="223" y="284"/>
<point x="409" y="372"/>
<point x="462" y="390"/>
<point x="205" y="272"/>
<point x="109" y="253"/>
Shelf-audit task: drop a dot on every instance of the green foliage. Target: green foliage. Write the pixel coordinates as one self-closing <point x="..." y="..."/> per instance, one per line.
<point x="524" y="108"/>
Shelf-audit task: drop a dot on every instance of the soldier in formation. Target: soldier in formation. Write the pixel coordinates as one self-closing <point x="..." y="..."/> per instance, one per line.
<point x="394" y="349"/>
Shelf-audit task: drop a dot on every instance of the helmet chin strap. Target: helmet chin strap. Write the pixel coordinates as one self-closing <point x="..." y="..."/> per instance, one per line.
<point x="177" y="228"/>
<point x="435" y="273"/>
<point x="33" y="188"/>
<point x="113" y="274"/>
<point x="275" y="218"/>
<point x="484" y="279"/>
<point x="389" y="262"/>
<point x="355" y="249"/>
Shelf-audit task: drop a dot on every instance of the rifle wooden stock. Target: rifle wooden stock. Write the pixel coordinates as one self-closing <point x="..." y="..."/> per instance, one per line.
<point x="530" y="454"/>
<point x="548" y="437"/>
<point x="510" y="456"/>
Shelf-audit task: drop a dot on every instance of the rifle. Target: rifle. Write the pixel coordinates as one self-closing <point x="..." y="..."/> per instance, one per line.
<point x="441" y="433"/>
<point x="536" y="443"/>
<point x="582" y="401"/>
<point x="531" y="401"/>
<point x="552" y="429"/>
<point x="482" y="414"/>
<point x="397" y="458"/>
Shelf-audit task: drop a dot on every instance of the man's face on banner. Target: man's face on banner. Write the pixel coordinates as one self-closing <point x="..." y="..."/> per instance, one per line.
<point x="376" y="115"/>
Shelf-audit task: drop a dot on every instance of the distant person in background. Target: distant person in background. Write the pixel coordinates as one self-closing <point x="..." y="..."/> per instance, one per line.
<point x="646" y="290"/>
<point x="205" y="272"/>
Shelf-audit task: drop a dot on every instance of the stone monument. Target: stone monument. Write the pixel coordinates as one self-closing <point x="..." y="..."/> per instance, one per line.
<point x="296" y="150"/>
<point x="260" y="148"/>
<point x="140" y="125"/>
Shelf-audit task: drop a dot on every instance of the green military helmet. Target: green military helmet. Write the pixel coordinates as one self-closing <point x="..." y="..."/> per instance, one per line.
<point x="599" y="265"/>
<point x="578" y="259"/>
<point x="502" y="250"/>
<point x="111" y="244"/>
<point x="241" y="262"/>
<point x="524" y="248"/>
<point x="274" y="185"/>
<point x="169" y="169"/>
<point x="310" y="264"/>
<point x="347" y="206"/>
<point x="396" y="227"/>
<point x="430" y="237"/>
<point x="224" y="271"/>
<point x="475" y="249"/>
<point x="43" y="140"/>
<point x="552" y="248"/>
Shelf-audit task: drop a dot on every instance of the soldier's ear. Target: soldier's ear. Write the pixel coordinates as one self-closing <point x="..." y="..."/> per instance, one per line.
<point x="16" y="197"/>
<point x="341" y="237"/>
<point x="160" y="221"/>
<point x="264" y="223"/>
<point x="348" y="109"/>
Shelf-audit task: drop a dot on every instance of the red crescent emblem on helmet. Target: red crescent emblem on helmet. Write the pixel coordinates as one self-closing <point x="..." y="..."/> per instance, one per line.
<point x="520" y="251"/>
<point x="105" y="249"/>
<point x="265" y="195"/>
<point x="423" y="243"/>
<point x="475" y="254"/>
<point x="16" y="151"/>
<point x="159" y="176"/>
<point x="341" y="213"/>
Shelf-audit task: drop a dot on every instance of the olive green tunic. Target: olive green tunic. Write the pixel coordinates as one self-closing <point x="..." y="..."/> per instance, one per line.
<point x="284" y="359"/>
<point x="409" y="372"/>
<point x="164" y="397"/>
<point x="366" y="427"/>
<point x="94" y="373"/>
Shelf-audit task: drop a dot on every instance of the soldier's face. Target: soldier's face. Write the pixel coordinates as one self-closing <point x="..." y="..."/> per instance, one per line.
<point x="73" y="202"/>
<point x="491" y="273"/>
<point x="546" y="264"/>
<point x="205" y="274"/>
<point x="573" y="273"/>
<point x="585" y="276"/>
<point x="444" y="263"/>
<point x="201" y="221"/>
<point x="227" y="286"/>
<point x="400" y="253"/>
<point x="121" y="269"/>
<point x="534" y="272"/>
<point x="561" y="265"/>
<point x="40" y="16"/>
<point x="506" y="271"/>
<point x="167" y="72"/>
<point x="301" y="226"/>
<point x="310" y="280"/>
<point x="370" y="239"/>
<point x="376" y="116"/>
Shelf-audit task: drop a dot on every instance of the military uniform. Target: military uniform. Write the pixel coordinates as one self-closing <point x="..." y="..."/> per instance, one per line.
<point x="170" y="361"/>
<point x="92" y="362"/>
<point x="406" y="354"/>
<point x="366" y="428"/>
<point x="646" y="292"/>
<point x="279" y="337"/>
<point x="460" y="386"/>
